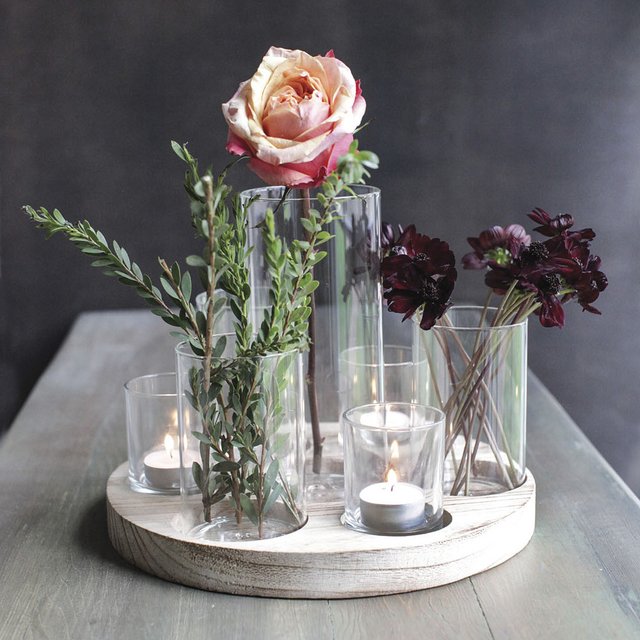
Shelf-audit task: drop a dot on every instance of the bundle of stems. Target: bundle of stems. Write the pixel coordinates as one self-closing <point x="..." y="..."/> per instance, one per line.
<point x="472" y="415"/>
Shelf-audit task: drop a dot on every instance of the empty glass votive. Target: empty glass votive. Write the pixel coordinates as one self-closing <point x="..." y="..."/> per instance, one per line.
<point x="395" y="375"/>
<point x="393" y="468"/>
<point x="152" y="434"/>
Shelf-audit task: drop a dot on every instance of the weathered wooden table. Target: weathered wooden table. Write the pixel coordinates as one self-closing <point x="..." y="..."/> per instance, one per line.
<point x="59" y="577"/>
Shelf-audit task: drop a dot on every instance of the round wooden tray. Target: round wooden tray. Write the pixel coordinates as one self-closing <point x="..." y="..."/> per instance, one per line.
<point x="323" y="559"/>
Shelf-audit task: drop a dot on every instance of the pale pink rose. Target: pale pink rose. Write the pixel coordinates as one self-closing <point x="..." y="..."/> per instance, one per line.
<point x="295" y="117"/>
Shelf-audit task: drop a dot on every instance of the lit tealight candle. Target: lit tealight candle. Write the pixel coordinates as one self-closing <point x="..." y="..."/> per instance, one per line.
<point x="162" y="466"/>
<point x="389" y="418"/>
<point x="392" y="506"/>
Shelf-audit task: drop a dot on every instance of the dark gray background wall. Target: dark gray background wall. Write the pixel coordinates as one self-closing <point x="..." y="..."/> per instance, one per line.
<point x="480" y="111"/>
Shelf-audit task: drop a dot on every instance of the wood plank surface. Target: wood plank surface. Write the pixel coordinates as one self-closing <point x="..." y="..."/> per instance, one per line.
<point x="579" y="577"/>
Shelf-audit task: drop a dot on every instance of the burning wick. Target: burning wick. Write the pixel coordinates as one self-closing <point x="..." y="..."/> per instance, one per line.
<point x="168" y="445"/>
<point x="392" y="478"/>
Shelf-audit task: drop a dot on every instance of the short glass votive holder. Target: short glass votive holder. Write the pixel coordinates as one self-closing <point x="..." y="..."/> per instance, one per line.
<point x="152" y="434"/>
<point x="393" y="375"/>
<point x="393" y="467"/>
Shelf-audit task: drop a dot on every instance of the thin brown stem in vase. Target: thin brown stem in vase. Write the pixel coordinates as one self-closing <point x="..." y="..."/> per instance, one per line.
<point x="484" y="355"/>
<point x="459" y="406"/>
<point x="207" y="183"/>
<point x="312" y="391"/>
<point x="208" y="349"/>
<point x="260" y="492"/>
<point x="500" y="352"/>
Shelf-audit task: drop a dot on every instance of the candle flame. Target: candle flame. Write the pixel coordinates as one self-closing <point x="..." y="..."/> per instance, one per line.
<point x="392" y="477"/>
<point x="168" y="445"/>
<point x="374" y="389"/>
<point x="174" y="417"/>
<point x="394" y="452"/>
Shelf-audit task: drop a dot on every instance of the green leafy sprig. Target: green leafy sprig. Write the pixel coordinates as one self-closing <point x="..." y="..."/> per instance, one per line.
<point x="234" y="396"/>
<point x="114" y="261"/>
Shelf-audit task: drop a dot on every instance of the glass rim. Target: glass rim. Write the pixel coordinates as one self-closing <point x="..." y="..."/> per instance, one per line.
<point x="474" y="307"/>
<point x="385" y="364"/>
<point x="437" y="422"/>
<point x="181" y="350"/>
<point x="367" y="190"/>
<point x="129" y="388"/>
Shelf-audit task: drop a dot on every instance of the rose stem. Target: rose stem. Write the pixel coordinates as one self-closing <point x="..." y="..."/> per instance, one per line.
<point x="311" y="364"/>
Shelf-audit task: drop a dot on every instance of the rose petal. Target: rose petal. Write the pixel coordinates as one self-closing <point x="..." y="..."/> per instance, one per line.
<point x="280" y="174"/>
<point x="237" y="145"/>
<point x="293" y="119"/>
<point x="307" y="174"/>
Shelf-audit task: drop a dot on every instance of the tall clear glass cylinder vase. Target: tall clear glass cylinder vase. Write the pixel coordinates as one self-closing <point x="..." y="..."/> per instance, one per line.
<point x="242" y="427"/>
<point x="347" y="310"/>
<point x="478" y="377"/>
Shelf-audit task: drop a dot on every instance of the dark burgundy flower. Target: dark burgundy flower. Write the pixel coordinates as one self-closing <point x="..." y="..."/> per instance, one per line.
<point x="551" y="312"/>
<point x="588" y="282"/>
<point x="557" y="270"/>
<point x="536" y="253"/>
<point x="579" y="269"/>
<point x="539" y="278"/>
<point x="496" y="245"/>
<point x="405" y="241"/>
<point x="419" y="290"/>
<point x="558" y="226"/>
<point x="419" y="272"/>
<point x="387" y="236"/>
<point x="550" y="226"/>
<point x="535" y="269"/>
<point x="411" y="243"/>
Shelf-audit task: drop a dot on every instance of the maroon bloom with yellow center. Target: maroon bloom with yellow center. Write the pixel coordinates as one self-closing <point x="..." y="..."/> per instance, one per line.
<point x="496" y="245"/>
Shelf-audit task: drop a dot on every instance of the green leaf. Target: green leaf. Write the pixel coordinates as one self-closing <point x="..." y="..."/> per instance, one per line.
<point x="125" y="258"/>
<point x="248" y="508"/>
<point x="214" y="481"/>
<point x="310" y="287"/>
<point x="272" y="473"/>
<point x="186" y="285"/>
<point x="308" y="225"/>
<point x="226" y="466"/>
<point x="196" y="471"/>
<point x="276" y="492"/>
<point x="369" y="159"/>
<point x="102" y="262"/>
<point x="92" y="251"/>
<point x="219" y="347"/>
<point x="168" y="287"/>
<point x="178" y="150"/>
<point x="196" y="261"/>
<point x="202" y="437"/>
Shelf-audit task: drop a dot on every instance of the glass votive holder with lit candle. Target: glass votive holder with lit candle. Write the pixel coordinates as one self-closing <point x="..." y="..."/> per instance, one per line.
<point x="393" y="467"/>
<point x="152" y="434"/>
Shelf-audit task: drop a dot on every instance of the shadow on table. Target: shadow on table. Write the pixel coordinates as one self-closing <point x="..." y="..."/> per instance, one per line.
<point x="92" y="535"/>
